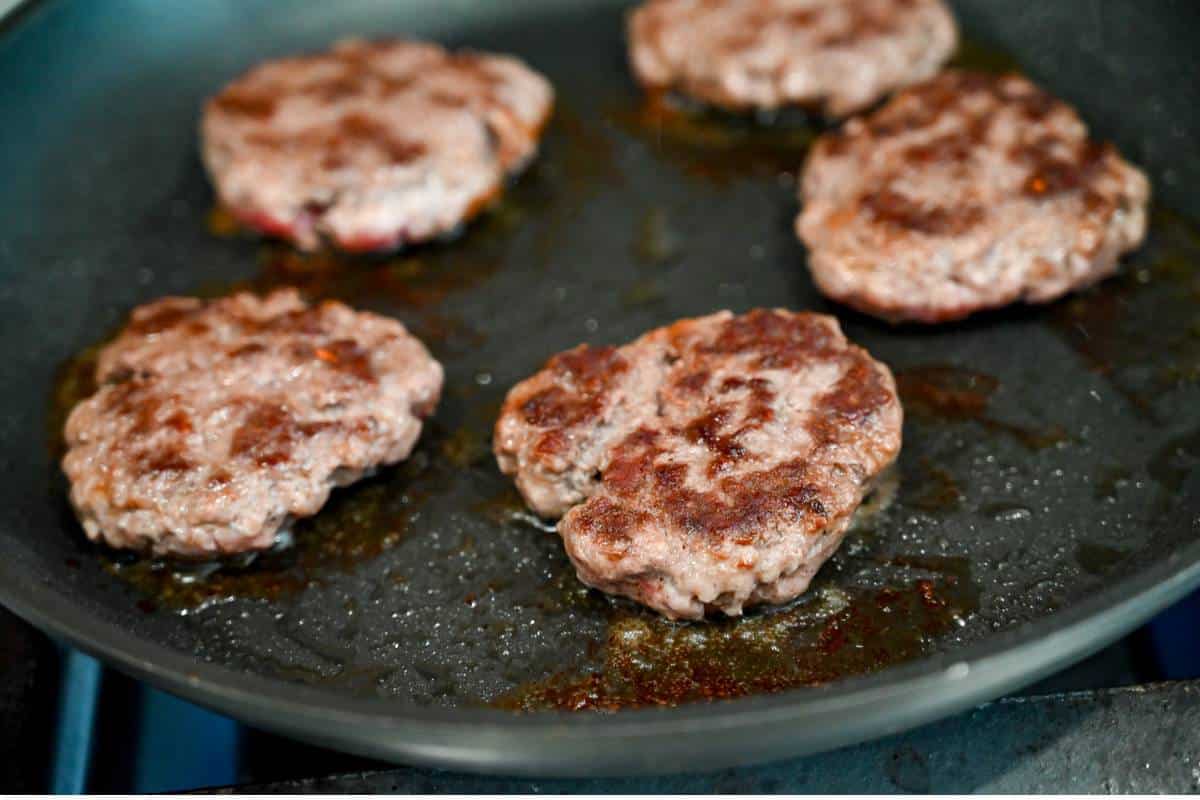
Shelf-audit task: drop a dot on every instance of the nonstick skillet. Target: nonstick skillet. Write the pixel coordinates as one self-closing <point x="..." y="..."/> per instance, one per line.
<point x="1046" y="500"/>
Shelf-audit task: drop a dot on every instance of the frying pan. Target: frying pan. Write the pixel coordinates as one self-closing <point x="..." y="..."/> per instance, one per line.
<point x="1047" y="493"/>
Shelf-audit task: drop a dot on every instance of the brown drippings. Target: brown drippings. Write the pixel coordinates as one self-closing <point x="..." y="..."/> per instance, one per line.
<point x="221" y="222"/>
<point x="977" y="56"/>
<point x="955" y="394"/>
<point x="505" y="506"/>
<point x="829" y="635"/>
<point x="355" y="526"/>
<point x="412" y="281"/>
<point x="465" y="447"/>
<point x="74" y="381"/>
<point x="1145" y="317"/>
<point x="934" y="489"/>
<point x="717" y="146"/>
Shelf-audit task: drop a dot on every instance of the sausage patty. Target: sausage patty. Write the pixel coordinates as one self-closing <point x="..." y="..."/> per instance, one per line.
<point x="371" y="145"/>
<point x="838" y="56"/>
<point x="218" y="422"/>
<point x="710" y="465"/>
<point x="967" y="192"/>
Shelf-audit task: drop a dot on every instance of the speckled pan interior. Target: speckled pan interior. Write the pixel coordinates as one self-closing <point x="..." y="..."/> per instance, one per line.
<point x="1045" y="501"/>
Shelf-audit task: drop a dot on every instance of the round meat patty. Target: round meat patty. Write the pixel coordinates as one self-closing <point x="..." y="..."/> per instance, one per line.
<point x="708" y="466"/>
<point x="218" y="422"/>
<point x="967" y="192"/>
<point x="374" y="144"/>
<point x="838" y="56"/>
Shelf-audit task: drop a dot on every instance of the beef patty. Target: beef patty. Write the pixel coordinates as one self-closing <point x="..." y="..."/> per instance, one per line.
<point x="373" y="144"/>
<point x="967" y="192"/>
<point x="838" y="56"/>
<point x="218" y="422"/>
<point x="710" y="465"/>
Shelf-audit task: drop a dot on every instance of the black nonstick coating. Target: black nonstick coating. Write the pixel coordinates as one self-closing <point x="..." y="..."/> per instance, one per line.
<point x="1047" y="493"/>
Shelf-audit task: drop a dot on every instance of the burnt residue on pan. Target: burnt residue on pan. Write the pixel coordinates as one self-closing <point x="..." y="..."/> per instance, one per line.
<point x="869" y="609"/>
<point x="715" y="145"/>
<point x="830" y="633"/>
<point x="980" y="56"/>
<point x="955" y="394"/>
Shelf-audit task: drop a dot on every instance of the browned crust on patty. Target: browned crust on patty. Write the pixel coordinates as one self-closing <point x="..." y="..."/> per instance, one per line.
<point x="216" y="422"/>
<point x="372" y="144"/>
<point x="838" y="56"/>
<point x="969" y="191"/>
<point x="709" y="465"/>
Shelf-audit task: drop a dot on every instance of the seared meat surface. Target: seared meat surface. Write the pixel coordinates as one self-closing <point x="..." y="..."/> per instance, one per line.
<point x="708" y="466"/>
<point x="371" y="145"/>
<point x="967" y="192"/>
<point x="839" y="56"/>
<point x="218" y="422"/>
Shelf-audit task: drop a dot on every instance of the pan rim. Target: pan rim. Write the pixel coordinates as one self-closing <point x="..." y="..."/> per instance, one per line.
<point x="893" y="699"/>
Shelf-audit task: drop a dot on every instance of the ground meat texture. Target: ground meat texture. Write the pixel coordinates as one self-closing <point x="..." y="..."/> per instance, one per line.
<point x="708" y="466"/>
<point x="967" y="192"/>
<point x="838" y="56"/>
<point x="371" y="145"/>
<point x="216" y="423"/>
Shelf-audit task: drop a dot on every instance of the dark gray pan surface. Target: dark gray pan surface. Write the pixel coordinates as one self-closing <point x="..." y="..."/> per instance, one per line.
<point x="1048" y="489"/>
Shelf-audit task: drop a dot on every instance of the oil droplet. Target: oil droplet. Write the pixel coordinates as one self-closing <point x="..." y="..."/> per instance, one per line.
<point x="1007" y="512"/>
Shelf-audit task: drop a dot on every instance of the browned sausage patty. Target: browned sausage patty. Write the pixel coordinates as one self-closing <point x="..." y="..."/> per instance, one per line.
<point x="835" y="55"/>
<point x="710" y="465"/>
<point x="373" y="144"/>
<point x="218" y="422"/>
<point x="967" y="192"/>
